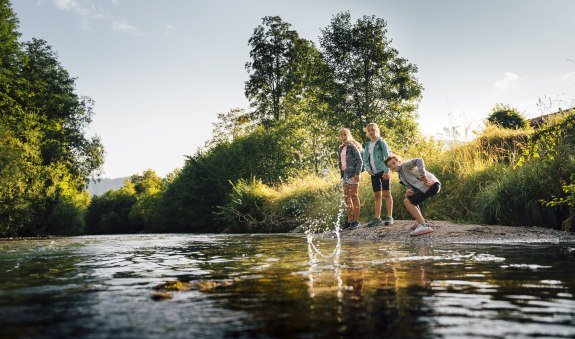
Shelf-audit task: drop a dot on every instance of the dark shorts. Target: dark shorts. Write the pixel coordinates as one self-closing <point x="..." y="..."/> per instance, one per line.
<point x="418" y="196"/>
<point x="378" y="183"/>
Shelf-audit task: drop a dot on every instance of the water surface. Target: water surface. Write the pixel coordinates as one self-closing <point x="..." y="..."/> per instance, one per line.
<point x="279" y="286"/>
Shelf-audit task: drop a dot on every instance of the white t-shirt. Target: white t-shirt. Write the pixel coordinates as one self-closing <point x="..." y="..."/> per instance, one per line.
<point x="371" y="161"/>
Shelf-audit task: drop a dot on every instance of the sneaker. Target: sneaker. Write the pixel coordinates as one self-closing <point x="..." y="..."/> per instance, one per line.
<point x="354" y="225"/>
<point x="421" y="230"/>
<point x="388" y="221"/>
<point x="412" y="228"/>
<point x="375" y="222"/>
<point x="346" y="225"/>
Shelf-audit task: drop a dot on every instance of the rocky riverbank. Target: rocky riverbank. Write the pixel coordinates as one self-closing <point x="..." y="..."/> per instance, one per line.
<point x="448" y="232"/>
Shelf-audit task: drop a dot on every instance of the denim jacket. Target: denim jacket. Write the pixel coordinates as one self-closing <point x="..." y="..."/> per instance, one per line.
<point x="353" y="161"/>
<point x="380" y="152"/>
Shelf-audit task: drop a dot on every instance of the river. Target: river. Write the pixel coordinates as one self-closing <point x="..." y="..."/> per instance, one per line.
<point x="281" y="286"/>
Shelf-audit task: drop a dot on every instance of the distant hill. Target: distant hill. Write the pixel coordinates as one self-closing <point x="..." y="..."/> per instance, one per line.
<point x="104" y="185"/>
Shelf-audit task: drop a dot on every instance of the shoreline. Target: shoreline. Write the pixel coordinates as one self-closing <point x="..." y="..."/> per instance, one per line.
<point x="444" y="232"/>
<point x="449" y="232"/>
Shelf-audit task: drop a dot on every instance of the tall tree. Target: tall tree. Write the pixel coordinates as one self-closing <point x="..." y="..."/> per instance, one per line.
<point x="371" y="83"/>
<point x="63" y="114"/>
<point x="272" y="48"/>
<point x="45" y="156"/>
<point x="9" y="47"/>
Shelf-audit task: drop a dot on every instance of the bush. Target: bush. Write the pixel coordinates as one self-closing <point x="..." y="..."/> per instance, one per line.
<point x="311" y="201"/>
<point x="506" y="116"/>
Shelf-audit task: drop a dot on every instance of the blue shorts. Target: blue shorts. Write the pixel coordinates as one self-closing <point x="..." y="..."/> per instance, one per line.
<point x="378" y="183"/>
<point x="418" y="196"/>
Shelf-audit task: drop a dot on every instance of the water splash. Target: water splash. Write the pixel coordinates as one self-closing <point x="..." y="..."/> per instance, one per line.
<point x="314" y="227"/>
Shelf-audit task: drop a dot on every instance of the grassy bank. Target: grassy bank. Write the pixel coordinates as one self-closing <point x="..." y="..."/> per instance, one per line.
<point x="481" y="179"/>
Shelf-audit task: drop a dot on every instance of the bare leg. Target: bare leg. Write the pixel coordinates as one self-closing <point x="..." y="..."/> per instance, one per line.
<point x="388" y="202"/>
<point x="414" y="211"/>
<point x="355" y="201"/>
<point x="348" y="202"/>
<point x="377" y="206"/>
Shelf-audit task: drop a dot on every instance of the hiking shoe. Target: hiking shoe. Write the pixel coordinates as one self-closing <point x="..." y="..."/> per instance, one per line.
<point x="421" y="230"/>
<point x="354" y="225"/>
<point x="375" y="222"/>
<point x="388" y="221"/>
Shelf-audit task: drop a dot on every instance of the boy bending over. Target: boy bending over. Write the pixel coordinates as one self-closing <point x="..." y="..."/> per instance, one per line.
<point x="420" y="184"/>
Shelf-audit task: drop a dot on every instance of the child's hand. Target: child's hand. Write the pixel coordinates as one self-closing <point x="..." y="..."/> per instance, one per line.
<point x="385" y="176"/>
<point x="427" y="182"/>
<point x="356" y="179"/>
<point x="408" y="192"/>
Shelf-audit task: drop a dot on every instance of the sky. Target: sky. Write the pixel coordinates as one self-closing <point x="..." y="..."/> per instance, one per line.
<point x="159" y="72"/>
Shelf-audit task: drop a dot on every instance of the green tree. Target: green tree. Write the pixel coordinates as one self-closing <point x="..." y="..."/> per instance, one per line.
<point x="9" y="51"/>
<point x="507" y="117"/>
<point x="45" y="157"/>
<point x="271" y="47"/>
<point x="231" y="125"/>
<point x="283" y="68"/>
<point x="371" y="83"/>
<point x="148" y="188"/>
<point x="63" y="114"/>
<point x="110" y="212"/>
<point x="191" y="200"/>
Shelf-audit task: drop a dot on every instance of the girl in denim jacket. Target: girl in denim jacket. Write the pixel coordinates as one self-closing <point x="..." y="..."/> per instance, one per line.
<point x="375" y="152"/>
<point x="350" y="165"/>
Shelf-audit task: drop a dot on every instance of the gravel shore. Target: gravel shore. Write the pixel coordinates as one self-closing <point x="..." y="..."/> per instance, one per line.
<point x="448" y="232"/>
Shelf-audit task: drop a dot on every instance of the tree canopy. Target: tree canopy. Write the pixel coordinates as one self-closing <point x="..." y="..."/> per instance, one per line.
<point x="45" y="156"/>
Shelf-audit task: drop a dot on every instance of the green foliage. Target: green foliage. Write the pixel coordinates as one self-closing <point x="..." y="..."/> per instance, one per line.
<point x="131" y="209"/>
<point x="231" y="125"/>
<point x="45" y="158"/>
<point x="21" y="187"/>
<point x="62" y="114"/>
<point x="203" y="183"/>
<point x="507" y="117"/>
<point x="567" y="199"/>
<point x="514" y="192"/>
<point x="513" y="198"/>
<point x="148" y="190"/>
<point x="370" y="82"/>
<point x="546" y="140"/>
<point x="465" y="171"/>
<point x="555" y="142"/>
<point x="110" y="212"/>
<point x="309" y="200"/>
<point x="272" y="46"/>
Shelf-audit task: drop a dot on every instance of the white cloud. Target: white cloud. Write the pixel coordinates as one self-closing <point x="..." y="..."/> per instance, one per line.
<point x="65" y="4"/>
<point x="123" y="26"/>
<point x="86" y="9"/>
<point x="170" y="29"/>
<point x="90" y="11"/>
<point x="507" y="79"/>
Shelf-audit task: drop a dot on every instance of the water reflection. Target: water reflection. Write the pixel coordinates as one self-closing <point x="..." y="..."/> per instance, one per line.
<point x="268" y="286"/>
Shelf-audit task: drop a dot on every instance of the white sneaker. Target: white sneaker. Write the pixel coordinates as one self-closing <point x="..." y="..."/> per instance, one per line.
<point x="421" y="229"/>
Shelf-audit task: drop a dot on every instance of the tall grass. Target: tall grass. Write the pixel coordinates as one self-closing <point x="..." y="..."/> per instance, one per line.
<point x="310" y="200"/>
<point x="480" y="184"/>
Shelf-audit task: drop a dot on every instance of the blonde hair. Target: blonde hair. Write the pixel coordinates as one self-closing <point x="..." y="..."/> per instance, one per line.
<point x="350" y="138"/>
<point x="375" y="127"/>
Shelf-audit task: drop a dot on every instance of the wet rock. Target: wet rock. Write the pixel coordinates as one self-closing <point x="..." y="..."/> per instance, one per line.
<point x="173" y="286"/>
<point x="162" y="296"/>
